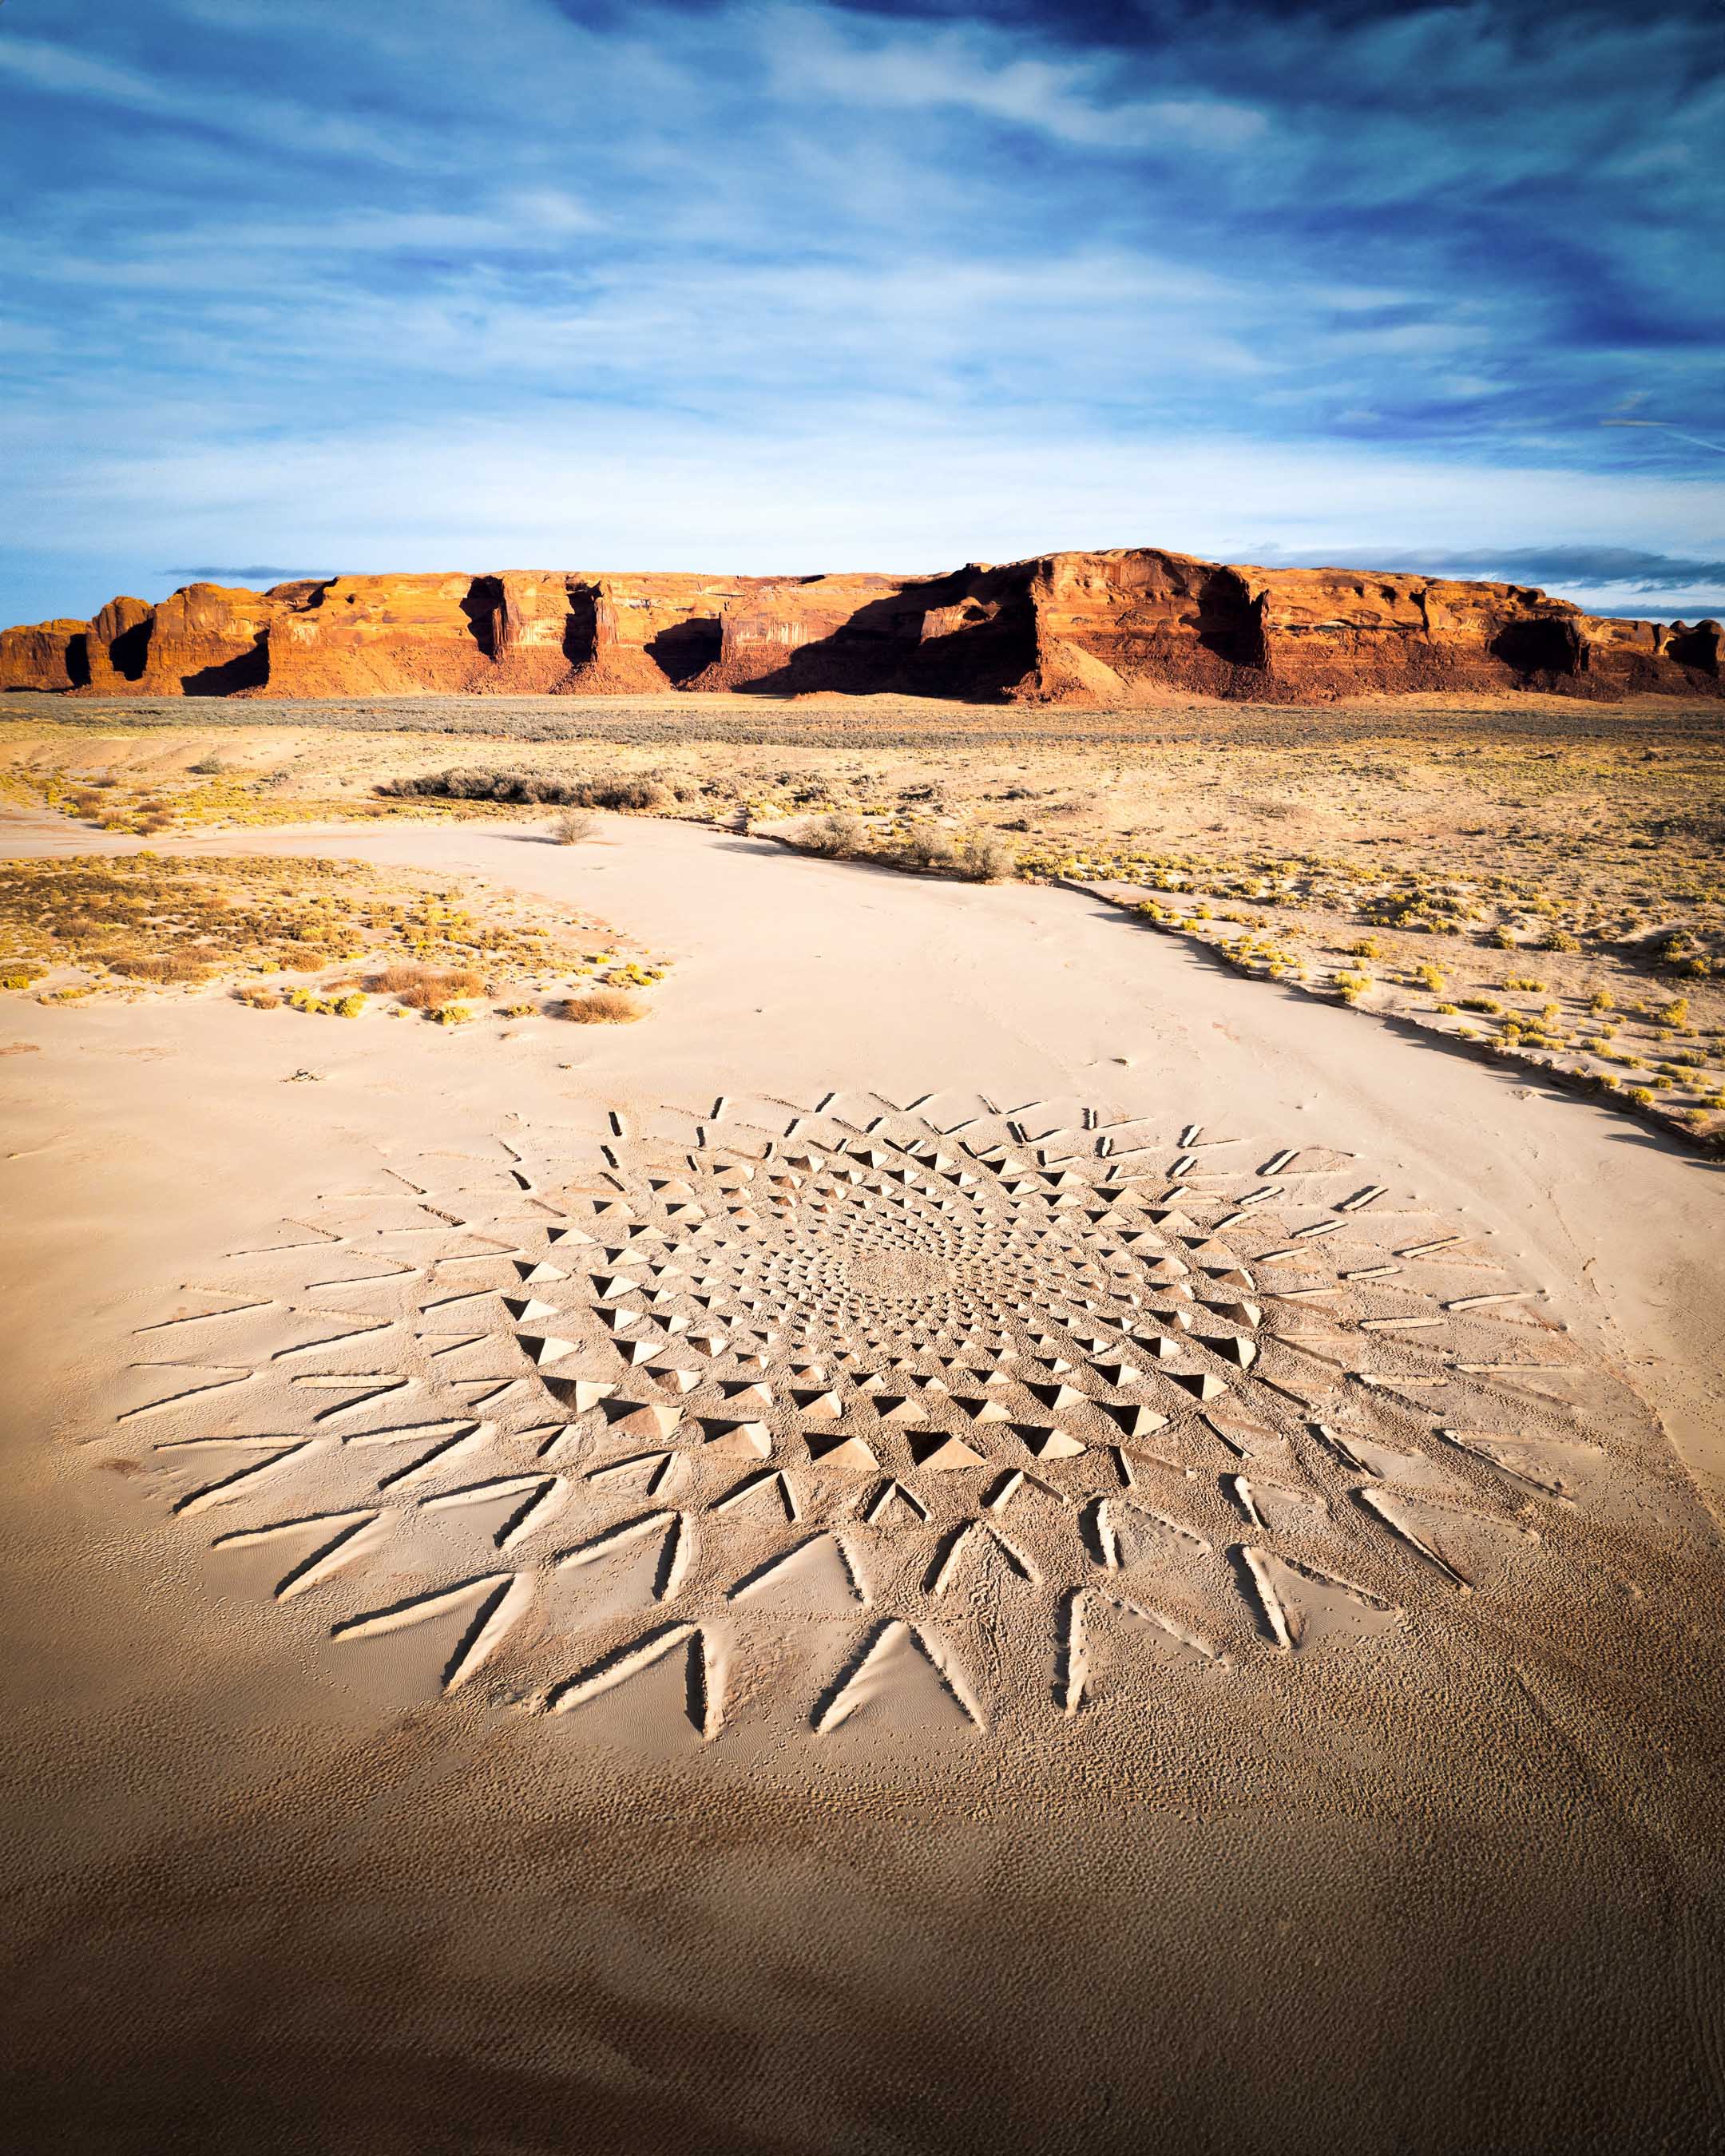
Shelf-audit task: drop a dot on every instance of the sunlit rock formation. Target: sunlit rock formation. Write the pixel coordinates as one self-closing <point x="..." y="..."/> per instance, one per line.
<point x="1124" y="627"/>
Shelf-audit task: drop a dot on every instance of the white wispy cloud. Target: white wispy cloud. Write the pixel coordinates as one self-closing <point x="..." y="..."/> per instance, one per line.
<point x="63" y="73"/>
<point x="772" y="282"/>
<point x="1005" y="75"/>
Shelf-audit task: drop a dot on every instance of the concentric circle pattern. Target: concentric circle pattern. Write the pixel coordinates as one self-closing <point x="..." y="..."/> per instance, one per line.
<point x="940" y="1415"/>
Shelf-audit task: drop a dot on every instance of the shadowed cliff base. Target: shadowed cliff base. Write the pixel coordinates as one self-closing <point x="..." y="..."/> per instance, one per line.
<point x="1123" y="627"/>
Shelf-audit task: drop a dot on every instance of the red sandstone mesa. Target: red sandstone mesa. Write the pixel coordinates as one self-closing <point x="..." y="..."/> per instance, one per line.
<point x="1121" y="627"/>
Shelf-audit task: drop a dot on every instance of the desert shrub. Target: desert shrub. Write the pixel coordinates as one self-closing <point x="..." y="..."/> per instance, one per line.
<point x="982" y="857"/>
<point x="1431" y="977"/>
<point x="837" y="837"/>
<point x="208" y="766"/>
<point x="602" y="1007"/>
<point x="452" y="1014"/>
<point x="572" y="827"/>
<point x="926" y="848"/>
<point x="259" y="998"/>
<point x="1559" y="939"/>
<point x="424" y="987"/>
<point x="474" y="786"/>
<point x="1368" y="947"/>
<point x="309" y="1000"/>
<point x="1601" y="999"/>
<point x="21" y="977"/>
<point x="518" y="1010"/>
<point x="1351" y="986"/>
<point x="635" y="795"/>
<point x="1502" y="939"/>
<point x="1525" y="984"/>
<point x="1489" y="1004"/>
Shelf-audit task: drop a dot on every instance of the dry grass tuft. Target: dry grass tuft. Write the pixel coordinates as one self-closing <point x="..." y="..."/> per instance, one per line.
<point x="184" y="967"/>
<point x="426" y="988"/>
<point x="602" y="1007"/>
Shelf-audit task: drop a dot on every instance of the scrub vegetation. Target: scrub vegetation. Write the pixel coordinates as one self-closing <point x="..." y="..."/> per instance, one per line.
<point x="323" y="937"/>
<point x="1542" y="878"/>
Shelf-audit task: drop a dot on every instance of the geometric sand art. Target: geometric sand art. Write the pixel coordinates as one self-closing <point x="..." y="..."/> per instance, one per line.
<point x="919" y="1416"/>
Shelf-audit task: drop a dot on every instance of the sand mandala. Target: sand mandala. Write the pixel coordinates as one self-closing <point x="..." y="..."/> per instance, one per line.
<point x="915" y="1416"/>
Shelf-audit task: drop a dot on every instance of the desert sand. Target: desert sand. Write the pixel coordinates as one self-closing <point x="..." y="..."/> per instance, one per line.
<point x="978" y="1536"/>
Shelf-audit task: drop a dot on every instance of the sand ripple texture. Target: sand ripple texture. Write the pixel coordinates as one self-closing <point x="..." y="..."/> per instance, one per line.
<point x="894" y="1431"/>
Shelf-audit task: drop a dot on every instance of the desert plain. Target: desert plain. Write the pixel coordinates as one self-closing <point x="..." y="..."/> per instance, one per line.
<point x="1066" y="1497"/>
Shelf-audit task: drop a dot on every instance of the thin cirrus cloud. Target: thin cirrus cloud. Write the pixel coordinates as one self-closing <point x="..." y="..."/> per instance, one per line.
<point x="814" y="54"/>
<point x="254" y="573"/>
<point x="753" y="285"/>
<point x="1631" y="567"/>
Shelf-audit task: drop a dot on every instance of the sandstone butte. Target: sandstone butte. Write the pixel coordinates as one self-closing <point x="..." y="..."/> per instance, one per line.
<point x="1128" y="625"/>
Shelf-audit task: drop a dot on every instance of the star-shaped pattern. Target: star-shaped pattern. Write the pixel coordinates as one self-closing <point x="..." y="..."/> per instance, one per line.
<point x="944" y="1410"/>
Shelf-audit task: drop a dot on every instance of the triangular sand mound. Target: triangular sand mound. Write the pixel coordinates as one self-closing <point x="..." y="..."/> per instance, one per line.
<point x="1304" y="1607"/>
<point x="816" y="1579"/>
<point x="902" y="1682"/>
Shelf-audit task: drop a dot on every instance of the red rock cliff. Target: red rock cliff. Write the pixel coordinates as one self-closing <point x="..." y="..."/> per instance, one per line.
<point x="1121" y="627"/>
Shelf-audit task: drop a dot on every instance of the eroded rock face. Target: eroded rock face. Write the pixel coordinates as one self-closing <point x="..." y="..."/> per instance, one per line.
<point x="117" y="646"/>
<point x="1123" y="627"/>
<point x="44" y="654"/>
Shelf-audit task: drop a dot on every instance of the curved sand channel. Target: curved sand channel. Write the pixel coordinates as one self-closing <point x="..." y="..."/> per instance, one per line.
<point x="1462" y="1889"/>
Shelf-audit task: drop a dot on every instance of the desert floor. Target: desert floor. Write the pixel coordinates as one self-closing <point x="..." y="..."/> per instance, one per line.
<point x="1423" y="1855"/>
<point x="1538" y="877"/>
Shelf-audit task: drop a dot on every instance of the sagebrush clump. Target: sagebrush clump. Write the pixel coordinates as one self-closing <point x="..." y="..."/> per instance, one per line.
<point x="638" y="795"/>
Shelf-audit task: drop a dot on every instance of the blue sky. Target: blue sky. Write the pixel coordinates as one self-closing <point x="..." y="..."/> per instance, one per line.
<point x="355" y="285"/>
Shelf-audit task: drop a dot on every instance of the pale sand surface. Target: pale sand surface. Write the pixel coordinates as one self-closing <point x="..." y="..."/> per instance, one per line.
<point x="1454" y="1883"/>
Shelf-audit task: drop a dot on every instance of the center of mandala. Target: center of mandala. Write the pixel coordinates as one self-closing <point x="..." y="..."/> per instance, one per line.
<point x="894" y="1273"/>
